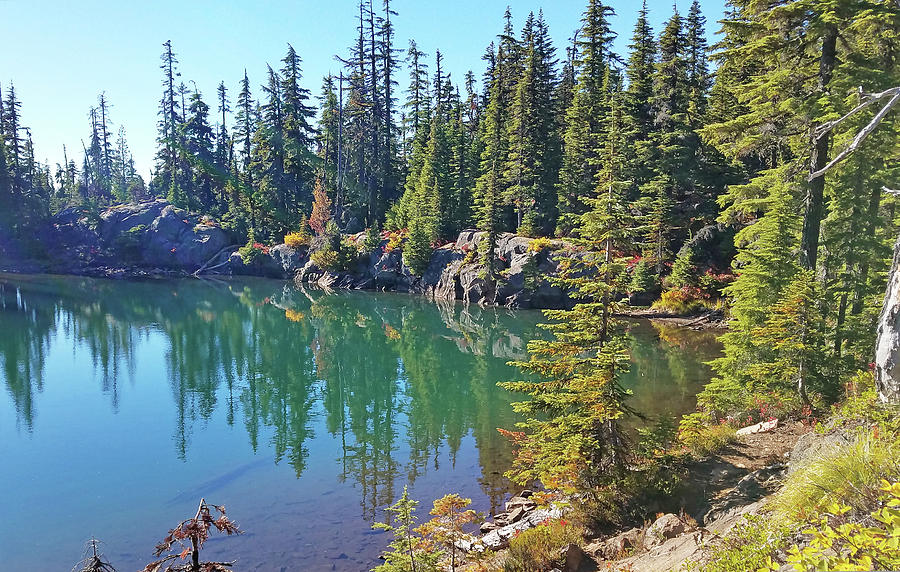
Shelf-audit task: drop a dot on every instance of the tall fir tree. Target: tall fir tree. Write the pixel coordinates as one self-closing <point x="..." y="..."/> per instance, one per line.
<point x="584" y="118"/>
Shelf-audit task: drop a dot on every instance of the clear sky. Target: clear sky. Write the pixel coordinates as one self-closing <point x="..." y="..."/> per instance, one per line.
<point x="67" y="52"/>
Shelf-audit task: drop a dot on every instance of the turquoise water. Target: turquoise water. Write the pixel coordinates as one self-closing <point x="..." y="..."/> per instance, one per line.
<point x="304" y="413"/>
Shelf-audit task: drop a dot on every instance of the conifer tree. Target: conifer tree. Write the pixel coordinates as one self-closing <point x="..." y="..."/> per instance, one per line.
<point x="639" y="120"/>
<point x="246" y="118"/>
<point x="169" y="119"/>
<point x="197" y="154"/>
<point x="786" y="83"/>
<point x="697" y="67"/>
<point x="298" y="137"/>
<point x="583" y="127"/>
<point x="530" y="166"/>
<point x="12" y="129"/>
<point x="572" y="439"/>
<point x="224" y="144"/>
<point x="404" y="552"/>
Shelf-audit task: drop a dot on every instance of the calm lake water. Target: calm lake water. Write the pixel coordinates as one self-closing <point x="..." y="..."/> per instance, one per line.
<point x="123" y="403"/>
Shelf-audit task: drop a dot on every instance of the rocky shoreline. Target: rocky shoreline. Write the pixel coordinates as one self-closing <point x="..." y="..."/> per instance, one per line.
<point x="156" y="239"/>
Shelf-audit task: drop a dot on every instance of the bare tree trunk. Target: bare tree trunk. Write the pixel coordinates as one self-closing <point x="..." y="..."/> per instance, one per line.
<point x="887" y="345"/>
<point x="814" y="203"/>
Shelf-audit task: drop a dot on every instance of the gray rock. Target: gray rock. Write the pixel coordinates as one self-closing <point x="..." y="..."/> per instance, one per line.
<point x="617" y="546"/>
<point x="122" y="218"/>
<point x="573" y="557"/>
<point x="291" y="260"/>
<point x="519" y="502"/>
<point x="748" y="490"/>
<point x="665" y="527"/>
<point x="516" y="514"/>
<point x="499" y="538"/>
<point x="488" y="526"/>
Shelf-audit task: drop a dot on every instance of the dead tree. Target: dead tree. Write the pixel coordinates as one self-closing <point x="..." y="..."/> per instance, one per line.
<point x="93" y="560"/>
<point x="190" y="535"/>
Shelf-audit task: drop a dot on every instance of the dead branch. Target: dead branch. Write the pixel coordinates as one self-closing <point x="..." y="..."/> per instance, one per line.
<point x="893" y="93"/>
<point x="208" y="262"/>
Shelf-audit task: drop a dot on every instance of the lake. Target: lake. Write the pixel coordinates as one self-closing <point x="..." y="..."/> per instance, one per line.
<point x="305" y="413"/>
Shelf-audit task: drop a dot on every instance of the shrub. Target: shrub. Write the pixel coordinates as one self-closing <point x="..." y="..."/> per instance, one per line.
<point x="683" y="270"/>
<point x="861" y="405"/>
<point x="373" y="238"/>
<point x="296" y="240"/>
<point x="685" y="300"/>
<point x="643" y="279"/>
<point x="333" y="251"/>
<point x="747" y="546"/>
<point x="701" y="437"/>
<point x="847" y="475"/>
<point x="300" y="238"/>
<point x="542" y="243"/>
<point x="395" y="239"/>
<point x="251" y="251"/>
<point x="470" y="254"/>
<point x="839" y="543"/>
<point x="541" y="547"/>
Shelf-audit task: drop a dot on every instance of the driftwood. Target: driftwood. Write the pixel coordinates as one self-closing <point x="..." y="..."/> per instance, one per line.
<point x="867" y="99"/>
<point x="216" y="255"/>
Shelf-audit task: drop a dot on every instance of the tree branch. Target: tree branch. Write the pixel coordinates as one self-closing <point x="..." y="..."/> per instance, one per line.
<point x="894" y="94"/>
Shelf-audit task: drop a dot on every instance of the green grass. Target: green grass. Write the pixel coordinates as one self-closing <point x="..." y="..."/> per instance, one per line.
<point x="541" y="547"/>
<point x="849" y="475"/>
<point x="701" y="438"/>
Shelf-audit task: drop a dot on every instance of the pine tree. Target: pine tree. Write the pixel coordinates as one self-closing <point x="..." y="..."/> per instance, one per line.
<point x="246" y="117"/>
<point x="697" y="67"/>
<point x="572" y="438"/>
<point x="784" y="65"/>
<point x="197" y="155"/>
<point x="531" y="165"/>
<point x="224" y="144"/>
<point x="105" y="141"/>
<point x="169" y="119"/>
<point x="639" y="120"/>
<point x="404" y="552"/>
<point x="387" y="55"/>
<point x="328" y="131"/>
<point x="583" y="126"/>
<point x="298" y="137"/>
<point x="12" y="128"/>
<point x="489" y="185"/>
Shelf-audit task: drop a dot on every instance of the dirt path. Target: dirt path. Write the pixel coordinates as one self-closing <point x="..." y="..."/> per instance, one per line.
<point x="711" y="478"/>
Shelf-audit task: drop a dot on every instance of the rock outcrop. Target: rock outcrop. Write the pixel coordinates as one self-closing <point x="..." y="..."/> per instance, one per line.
<point x="155" y="237"/>
<point x="151" y="234"/>
<point x="454" y="272"/>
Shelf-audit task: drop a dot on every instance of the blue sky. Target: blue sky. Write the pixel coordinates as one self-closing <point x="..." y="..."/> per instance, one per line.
<point x="68" y="52"/>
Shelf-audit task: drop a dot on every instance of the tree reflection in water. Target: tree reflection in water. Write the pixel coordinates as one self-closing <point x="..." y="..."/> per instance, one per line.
<point x="380" y="373"/>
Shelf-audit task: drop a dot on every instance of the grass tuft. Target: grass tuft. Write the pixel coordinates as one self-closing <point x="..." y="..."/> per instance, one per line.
<point x="849" y="475"/>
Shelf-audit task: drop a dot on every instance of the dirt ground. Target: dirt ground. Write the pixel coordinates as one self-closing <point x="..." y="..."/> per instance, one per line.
<point x="709" y="478"/>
